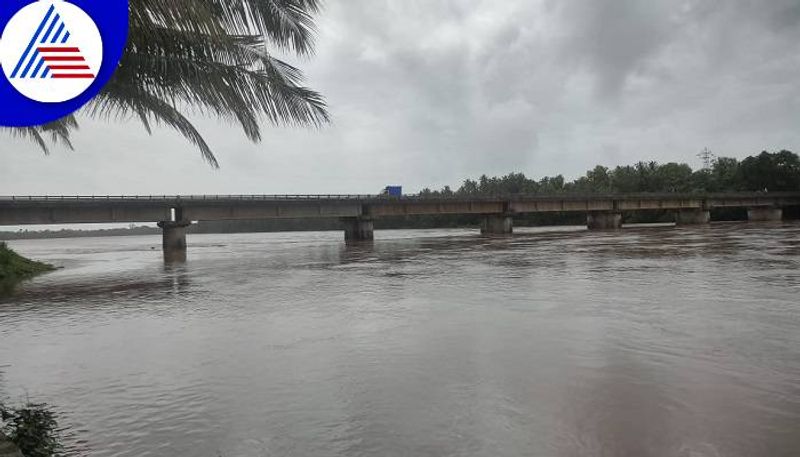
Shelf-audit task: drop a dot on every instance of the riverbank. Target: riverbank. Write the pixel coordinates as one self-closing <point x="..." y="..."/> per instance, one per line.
<point x="15" y="268"/>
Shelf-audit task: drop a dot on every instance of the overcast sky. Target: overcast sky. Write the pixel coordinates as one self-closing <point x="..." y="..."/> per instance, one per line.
<point x="429" y="92"/>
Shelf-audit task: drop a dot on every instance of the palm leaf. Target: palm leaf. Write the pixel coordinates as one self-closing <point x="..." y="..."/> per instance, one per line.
<point x="119" y="102"/>
<point x="209" y="57"/>
<point x="56" y="132"/>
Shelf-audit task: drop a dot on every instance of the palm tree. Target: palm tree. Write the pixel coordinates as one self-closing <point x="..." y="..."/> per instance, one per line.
<point x="211" y="57"/>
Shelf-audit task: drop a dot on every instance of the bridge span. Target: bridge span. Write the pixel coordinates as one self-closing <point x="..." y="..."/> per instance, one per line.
<point x="357" y="212"/>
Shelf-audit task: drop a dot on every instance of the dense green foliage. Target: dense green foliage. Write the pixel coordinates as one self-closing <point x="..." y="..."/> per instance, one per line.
<point x="15" y="268"/>
<point x="771" y="172"/>
<point x="33" y="428"/>
<point x="208" y="57"/>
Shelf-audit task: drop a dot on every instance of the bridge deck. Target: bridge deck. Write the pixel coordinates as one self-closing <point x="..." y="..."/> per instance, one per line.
<point x="20" y="210"/>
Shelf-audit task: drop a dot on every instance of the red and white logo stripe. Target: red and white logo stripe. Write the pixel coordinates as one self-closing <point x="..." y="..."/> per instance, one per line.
<point x="65" y="62"/>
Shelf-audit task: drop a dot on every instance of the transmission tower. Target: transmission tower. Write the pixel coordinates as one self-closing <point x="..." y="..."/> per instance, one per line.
<point x="707" y="157"/>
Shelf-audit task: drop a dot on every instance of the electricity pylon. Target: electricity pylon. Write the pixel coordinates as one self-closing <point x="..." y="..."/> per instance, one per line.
<point x="707" y="157"/>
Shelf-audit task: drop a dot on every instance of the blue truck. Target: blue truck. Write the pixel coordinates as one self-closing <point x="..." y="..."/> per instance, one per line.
<point x="393" y="191"/>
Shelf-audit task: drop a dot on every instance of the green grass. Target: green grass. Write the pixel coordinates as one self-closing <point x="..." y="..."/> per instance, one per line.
<point x="15" y="268"/>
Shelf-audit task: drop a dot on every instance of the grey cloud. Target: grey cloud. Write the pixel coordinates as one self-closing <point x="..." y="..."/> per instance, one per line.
<point x="426" y="93"/>
<point x="614" y="37"/>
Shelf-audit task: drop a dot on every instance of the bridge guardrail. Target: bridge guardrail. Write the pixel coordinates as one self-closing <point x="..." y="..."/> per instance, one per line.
<point x="374" y="197"/>
<point x="243" y="197"/>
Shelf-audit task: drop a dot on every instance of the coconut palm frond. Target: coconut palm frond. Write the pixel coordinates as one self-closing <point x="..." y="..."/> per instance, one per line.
<point x="288" y="24"/>
<point x="234" y="73"/>
<point x="60" y="130"/>
<point x="194" y="15"/>
<point x="210" y="57"/>
<point x="31" y="133"/>
<point x="56" y="132"/>
<point x="122" y="101"/>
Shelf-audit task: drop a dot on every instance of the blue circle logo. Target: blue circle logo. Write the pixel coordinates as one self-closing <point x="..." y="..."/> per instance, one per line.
<point x="56" y="55"/>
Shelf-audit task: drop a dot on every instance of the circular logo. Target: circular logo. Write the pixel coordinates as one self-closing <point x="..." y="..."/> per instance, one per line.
<point x="51" y="51"/>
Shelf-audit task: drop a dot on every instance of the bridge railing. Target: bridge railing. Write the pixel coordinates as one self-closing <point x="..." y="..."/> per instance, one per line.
<point x="48" y="198"/>
<point x="373" y="197"/>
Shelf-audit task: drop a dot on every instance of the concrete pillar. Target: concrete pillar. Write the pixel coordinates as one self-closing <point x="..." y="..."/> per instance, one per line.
<point x="174" y="240"/>
<point x="765" y="214"/>
<point x="358" y="229"/>
<point x="497" y="224"/>
<point x="604" y="221"/>
<point x="692" y="217"/>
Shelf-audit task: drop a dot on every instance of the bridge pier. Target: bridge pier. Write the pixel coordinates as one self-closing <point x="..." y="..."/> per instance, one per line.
<point x="358" y="229"/>
<point x="765" y="214"/>
<point x="174" y="240"/>
<point x="497" y="224"/>
<point x="604" y="221"/>
<point x="692" y="217"/>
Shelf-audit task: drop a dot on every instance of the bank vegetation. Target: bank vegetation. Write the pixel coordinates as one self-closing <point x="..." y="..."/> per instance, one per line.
<point x="15" y="268"/>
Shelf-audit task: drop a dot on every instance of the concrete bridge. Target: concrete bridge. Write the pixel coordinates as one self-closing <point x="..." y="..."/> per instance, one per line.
<point x="357" y="212"/>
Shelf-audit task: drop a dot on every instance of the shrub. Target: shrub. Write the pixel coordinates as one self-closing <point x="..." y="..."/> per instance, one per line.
<point x="15" y="268"/>
<point x="33" y="428"/>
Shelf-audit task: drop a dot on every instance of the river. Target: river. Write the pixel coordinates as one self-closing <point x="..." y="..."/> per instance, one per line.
<point x="650" y="341"/>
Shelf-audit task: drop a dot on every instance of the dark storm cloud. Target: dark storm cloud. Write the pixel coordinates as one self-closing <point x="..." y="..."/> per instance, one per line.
<point x="430" y="92"/>
<point x="615" y="37"/>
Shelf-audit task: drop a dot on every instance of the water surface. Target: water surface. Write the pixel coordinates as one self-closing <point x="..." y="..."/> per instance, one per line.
<point x="644" y="342"/>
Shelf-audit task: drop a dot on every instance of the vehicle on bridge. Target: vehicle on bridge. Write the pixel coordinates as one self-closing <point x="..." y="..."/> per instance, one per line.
<point x="392" y="191"/>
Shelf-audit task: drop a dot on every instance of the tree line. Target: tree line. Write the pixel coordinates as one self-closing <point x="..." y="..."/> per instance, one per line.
<point x="765" y="172"/>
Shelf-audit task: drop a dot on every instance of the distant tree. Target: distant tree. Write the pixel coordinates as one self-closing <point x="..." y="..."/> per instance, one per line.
<point x="427" y="192"/>
<point x="724" y="174"/>
<point x="552" y="185"/>
<point x="483" y="184"/>
<point x="625" y="180"/>
<point x="673" y="177"/>
<point x="469" y="187"/>
<point x="773" y="172"/>
<point x="598" y="180"/>
<point x="648" y="176"/>
<point x="779" y="171"/>
<point x="701" y="181"/>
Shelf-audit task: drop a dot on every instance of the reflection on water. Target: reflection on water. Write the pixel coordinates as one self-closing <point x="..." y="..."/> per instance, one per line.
<point x="655" y="341"/>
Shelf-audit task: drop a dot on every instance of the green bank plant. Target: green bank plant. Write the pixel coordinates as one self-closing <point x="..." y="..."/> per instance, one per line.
<point x="33" y="428"/>
<point x="15" y="268"/>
